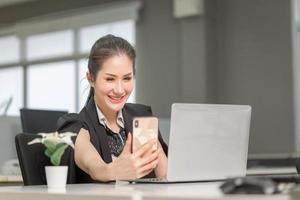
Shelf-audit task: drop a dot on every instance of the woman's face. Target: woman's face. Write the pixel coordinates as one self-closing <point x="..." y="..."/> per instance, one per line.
<point x="114" y="83"/>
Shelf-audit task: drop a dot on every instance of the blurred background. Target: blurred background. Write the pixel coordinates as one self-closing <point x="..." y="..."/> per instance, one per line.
<point x="196" y="51"/>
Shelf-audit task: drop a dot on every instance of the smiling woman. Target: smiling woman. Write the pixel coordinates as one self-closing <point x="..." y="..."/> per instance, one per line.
<point x="104" y="125"/>
<point x="113" y="84"/>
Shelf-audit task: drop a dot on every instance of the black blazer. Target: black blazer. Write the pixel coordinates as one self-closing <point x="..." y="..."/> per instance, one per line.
<point x="88" y="119"/>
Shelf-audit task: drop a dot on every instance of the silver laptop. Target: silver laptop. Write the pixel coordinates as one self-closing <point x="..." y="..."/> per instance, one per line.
<point x="207" y="142"/>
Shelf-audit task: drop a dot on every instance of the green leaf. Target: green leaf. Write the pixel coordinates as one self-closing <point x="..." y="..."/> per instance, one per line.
<point x="59" y="145"/>
<point x="48" y="153"/>
<point x="56" y="156"/>
<point x="50" y="146"/>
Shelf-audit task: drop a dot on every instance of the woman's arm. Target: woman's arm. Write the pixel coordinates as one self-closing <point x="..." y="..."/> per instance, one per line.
<point x="127" y="166"/>
<point x="88" y="159"/>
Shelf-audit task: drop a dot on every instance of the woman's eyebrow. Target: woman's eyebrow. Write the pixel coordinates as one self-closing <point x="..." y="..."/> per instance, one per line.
<point x="110" y="74"/>
<point x="129" y="74"/>
<point x="113" y="75"/>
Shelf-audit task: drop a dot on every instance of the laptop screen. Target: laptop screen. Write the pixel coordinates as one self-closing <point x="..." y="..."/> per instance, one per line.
<point x="208" y="141"/>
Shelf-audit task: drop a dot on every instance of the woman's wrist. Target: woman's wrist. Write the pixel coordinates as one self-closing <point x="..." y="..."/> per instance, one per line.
<point x="110" y="172"/>
<point x="101" y="172"/>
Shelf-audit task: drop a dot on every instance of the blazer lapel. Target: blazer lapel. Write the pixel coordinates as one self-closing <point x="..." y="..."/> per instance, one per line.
<point x="100" y="131"/>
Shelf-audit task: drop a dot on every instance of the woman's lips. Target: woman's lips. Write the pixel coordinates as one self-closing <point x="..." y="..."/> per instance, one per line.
<point x="116" y="100"/>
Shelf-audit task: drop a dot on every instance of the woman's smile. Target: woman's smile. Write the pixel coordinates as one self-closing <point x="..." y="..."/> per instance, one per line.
<point x="116" y="100"/>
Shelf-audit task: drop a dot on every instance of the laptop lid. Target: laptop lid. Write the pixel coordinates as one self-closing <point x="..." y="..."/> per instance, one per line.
<point x="208" y="141"/>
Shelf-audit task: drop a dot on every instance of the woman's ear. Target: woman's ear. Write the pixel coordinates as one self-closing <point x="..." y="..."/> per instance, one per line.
<point x="90" y="78"/>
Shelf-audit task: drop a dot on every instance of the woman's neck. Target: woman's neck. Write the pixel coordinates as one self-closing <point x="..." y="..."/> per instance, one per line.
<point x="111" y="118"/>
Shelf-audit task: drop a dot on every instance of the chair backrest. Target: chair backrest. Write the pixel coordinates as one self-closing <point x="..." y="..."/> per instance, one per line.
<point x="35" y="121"/>
<point x="33" y="160"/>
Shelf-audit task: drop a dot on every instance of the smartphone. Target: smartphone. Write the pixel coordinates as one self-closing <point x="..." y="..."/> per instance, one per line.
<point x="144" y="129"/>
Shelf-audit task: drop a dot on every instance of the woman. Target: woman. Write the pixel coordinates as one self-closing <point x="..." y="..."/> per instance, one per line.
<point x="104" y="125"/>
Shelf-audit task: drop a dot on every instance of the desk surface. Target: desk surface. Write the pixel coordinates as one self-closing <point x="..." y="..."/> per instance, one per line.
<point x="6" y="180"/>
<point x="123" y="190"/>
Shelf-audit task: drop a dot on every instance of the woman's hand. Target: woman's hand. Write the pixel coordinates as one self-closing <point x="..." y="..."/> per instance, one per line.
<point x="130" y="166"/>
<point x="161" y="168"/>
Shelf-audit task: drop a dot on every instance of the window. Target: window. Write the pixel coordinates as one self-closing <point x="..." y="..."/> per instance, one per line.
<point x="52" y="86"/>
<point x="52" y="57"/>
<point x="11" y="87"/>
<point x="88" y="35"/>
<point x="49" y="45"/>
<point x="55" y="73"/>
<point x="10" y="48"/>
<point x="84" y="86"/>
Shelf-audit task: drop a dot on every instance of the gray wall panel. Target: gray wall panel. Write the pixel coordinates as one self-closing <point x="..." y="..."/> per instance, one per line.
<point x="158" y="63"/>
<point x="255" y="68"/>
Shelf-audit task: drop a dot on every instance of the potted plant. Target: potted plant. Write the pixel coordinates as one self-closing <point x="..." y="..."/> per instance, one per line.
<point x="56" y="144"/>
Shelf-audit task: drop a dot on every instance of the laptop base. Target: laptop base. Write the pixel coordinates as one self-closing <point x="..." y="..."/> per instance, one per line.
<point x="165" y="181"/>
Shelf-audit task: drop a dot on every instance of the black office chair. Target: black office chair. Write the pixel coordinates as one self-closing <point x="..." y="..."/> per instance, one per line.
<point x="297" y="164"/>
<point x="36" y="121"/>
<point x="33" y="160"/>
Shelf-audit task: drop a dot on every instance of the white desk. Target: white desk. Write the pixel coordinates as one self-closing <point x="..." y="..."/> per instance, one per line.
<point x="125" y="191"/>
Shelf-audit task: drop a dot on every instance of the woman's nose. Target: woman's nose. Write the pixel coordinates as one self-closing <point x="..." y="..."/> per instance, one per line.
<point x="119" y="89"/>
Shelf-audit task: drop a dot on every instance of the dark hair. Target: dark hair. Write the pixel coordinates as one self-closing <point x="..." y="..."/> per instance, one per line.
<point x="105" y="48"/>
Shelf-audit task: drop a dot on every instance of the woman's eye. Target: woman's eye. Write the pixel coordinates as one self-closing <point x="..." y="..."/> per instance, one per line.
<point x="109" y="79"/>
<point x="127" y="78"/>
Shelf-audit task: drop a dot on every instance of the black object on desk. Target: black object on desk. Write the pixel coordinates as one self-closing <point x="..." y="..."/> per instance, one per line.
<point x="249" y="185"/>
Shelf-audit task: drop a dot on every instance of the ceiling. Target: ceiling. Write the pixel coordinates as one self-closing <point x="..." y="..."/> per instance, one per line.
<point x="12" y="11"/>
<point x="4" y="3"/>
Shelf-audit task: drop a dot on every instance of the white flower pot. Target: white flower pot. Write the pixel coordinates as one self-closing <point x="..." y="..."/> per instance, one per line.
<point x="56" y="176"/>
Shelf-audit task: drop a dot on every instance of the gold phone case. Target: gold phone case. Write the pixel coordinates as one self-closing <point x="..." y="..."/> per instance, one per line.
<point x="144" y="129"/>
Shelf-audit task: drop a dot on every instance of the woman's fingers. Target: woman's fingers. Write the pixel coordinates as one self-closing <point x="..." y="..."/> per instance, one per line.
<point x="145" y="148"/>
<point x="149" y="158"/>
<point x="146" y="169"/>
<point x="143" y="161"/>
<point x="144" y="173"/>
